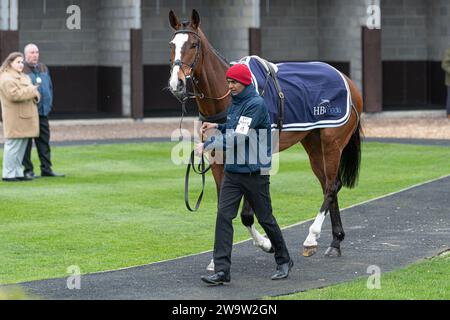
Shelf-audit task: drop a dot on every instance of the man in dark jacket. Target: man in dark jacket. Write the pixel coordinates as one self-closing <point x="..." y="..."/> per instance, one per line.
<point x="246" y="140"/>
<point x="40" y="75"/>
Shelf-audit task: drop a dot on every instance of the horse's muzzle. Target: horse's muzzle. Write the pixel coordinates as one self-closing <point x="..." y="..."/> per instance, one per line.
<point x="182" y="96"/>
<point x="180" y="93"/>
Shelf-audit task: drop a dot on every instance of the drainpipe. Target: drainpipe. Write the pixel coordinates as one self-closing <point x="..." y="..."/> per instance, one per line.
<point x="255" y="30"/>
<point x="4" y="14"/>
<point x="13" y="15"/>
<point x="136" y="63"/>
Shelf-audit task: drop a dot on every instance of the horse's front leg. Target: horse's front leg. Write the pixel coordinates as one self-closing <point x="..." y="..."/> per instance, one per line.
<point x="217" y="169"/>
<point x="248" y="220"/>
<point x="247" y="215"/>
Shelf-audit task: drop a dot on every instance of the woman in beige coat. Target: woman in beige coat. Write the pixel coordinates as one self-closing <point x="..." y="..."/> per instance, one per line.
<point x="18" y="97"/>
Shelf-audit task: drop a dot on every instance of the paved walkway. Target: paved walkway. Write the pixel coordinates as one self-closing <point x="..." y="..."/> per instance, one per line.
<point x="390" y="232"/>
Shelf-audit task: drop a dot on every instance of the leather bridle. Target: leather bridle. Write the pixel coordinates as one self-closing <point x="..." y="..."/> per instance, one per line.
<point x="191" y="77"/>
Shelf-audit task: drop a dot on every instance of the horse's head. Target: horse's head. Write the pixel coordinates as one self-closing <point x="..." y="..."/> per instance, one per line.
<point x="185" y="53"/>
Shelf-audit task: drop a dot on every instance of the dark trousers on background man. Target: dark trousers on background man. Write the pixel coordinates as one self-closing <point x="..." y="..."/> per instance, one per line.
<point x="448" y="102"/>
<point x="255" y="187"/>
<point x="42" y="146"/>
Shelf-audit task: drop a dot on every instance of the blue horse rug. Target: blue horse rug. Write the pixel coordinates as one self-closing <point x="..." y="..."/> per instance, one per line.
<point x="316" y="94"/>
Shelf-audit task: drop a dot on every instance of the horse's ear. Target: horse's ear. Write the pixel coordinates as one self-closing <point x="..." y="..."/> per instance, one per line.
<point x="174" y="22"/>
<point x="195" y="19"/>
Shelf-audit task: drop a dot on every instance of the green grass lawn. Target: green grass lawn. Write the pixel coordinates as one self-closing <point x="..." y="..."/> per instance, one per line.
<point x="428" y="279"/>
<point x="122" y="205"/>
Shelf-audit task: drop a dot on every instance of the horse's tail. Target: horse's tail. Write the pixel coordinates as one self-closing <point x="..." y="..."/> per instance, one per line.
<point x="351" y="160"/>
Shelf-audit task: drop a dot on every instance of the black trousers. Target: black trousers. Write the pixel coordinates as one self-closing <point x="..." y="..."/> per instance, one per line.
<point x="255" y="187"/>
<point x="448" y="101"/>
<point x="42" y="146"/>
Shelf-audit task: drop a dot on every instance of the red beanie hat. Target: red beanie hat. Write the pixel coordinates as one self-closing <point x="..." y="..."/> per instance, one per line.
<point x="241" y="73"/>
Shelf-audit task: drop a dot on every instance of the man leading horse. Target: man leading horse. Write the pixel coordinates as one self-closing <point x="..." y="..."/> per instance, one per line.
<point x="246" y="140"/>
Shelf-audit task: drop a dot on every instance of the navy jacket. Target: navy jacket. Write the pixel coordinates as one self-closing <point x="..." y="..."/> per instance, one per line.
<point x="246" y="136"/>
<point x="46" y="87"/>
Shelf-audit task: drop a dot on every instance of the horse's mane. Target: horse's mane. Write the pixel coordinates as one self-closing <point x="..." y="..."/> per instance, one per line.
<point x="221" y="56"/>
<point x="214" y="50"/>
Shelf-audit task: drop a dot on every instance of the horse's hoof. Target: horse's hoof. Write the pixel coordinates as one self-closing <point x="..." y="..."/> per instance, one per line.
<point x="309" y="251"/>
<point x="271" y="250"/>
<point x="333" y="252"/>
<point x="267" y="247"/>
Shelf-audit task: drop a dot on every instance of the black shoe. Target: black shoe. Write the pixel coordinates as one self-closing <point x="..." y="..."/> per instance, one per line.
<point x="29" y="174"/>
<point x="283" y="270"/>
<point x="25" y="178"/>
<point x="10" y="180"/>
<point x="217" y="278"/>
<point x="52" y="174"/>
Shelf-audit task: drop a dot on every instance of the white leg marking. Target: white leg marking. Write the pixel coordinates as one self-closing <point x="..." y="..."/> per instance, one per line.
<point x="210" y="266"/>
<point x="258" y="240"/>
<point x="314" y="231"/>
<point x="179" y="41"/>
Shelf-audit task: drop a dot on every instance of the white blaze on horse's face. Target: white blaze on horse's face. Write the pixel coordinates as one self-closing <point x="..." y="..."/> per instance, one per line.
<point x="179" y="41"/>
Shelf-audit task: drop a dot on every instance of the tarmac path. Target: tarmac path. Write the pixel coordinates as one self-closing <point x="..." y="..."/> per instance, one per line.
<point x="389" y="232"/>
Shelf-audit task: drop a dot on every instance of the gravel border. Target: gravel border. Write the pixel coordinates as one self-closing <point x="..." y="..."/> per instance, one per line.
<point x="430" y="125"/>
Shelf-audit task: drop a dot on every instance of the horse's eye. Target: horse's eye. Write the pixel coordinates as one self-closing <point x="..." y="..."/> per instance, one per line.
<point x="194" y="45"/>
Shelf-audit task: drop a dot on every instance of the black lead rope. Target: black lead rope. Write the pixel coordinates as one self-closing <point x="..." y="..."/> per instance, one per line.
<point x="201" y="170"/>
<point x="183" y="113"/>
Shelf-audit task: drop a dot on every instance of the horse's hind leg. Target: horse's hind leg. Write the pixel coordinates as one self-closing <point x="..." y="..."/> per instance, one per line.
<point x="324" y="154"/>
<point x="332" y="146"/>
<point x="334" y="250"/>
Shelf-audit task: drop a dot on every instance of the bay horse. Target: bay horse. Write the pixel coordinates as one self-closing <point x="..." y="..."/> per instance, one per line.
<point x="334" y="153"/>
